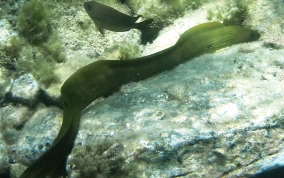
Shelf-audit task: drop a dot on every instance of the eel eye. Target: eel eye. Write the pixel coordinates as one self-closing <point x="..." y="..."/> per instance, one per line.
<point x="254" y="35"/>
<point x="89" y="7"/>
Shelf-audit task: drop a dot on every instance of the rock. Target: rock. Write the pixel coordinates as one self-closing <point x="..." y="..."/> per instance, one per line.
<point x="13" y="119"/>
<point x="25" y="90"/>
<point x="4" y="158"/>
<point x="16" y="170"/>
<point x="194" y="123"/>
<point x="37" y="135"/>
<point x="5" y="85"/>
<point x="272" y="161"/>
<point x="270" y="166"/>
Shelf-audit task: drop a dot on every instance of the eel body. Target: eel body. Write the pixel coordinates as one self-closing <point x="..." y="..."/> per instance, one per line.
<point x="103" y="78"/>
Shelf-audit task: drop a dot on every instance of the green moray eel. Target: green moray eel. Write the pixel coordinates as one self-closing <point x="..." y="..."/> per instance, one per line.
<point x="103" y="78"/>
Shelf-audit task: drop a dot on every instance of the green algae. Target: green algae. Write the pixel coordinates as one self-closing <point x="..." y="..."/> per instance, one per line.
<point x="43" y="47"/>
<point x="34" y="21"/>
<point x="233" y="13"/>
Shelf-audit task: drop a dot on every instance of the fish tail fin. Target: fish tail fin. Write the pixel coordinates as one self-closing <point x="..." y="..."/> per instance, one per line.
<point x="147" y="33"/>
<point x="144" y="25"/>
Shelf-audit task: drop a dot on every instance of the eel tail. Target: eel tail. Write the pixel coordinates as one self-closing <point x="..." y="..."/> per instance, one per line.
<point x="53" y="161"/>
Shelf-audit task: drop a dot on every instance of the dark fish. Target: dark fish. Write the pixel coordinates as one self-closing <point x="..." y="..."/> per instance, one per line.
<point x="106" y="17"/>
<point x="122" y="1"/>
<point x="103" y="78"/>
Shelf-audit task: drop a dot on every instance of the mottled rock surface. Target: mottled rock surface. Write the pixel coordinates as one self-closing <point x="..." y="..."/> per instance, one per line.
<point x="38" y="134"/>
<point x="25" y="89"/>
<point x="4" y="158"/>
<point x="5" y="86"/>
<point x="198" y="120"/>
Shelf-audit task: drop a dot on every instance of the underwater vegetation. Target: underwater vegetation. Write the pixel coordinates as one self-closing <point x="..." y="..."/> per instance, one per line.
<point x="128" y="51"/>
<point x="233" y="13"/>
<point x="34" y="21"/>
<point x="107" y="160"/>
<point x="38" y="45"/>
<point x="163" y="11"/>
<point x="11" y="52"/>
<point x="103" y="78"/>
<point x="178" y="4"/>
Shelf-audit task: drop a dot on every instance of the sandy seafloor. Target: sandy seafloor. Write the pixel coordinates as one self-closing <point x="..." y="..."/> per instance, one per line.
<point x="217" y="115"/>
